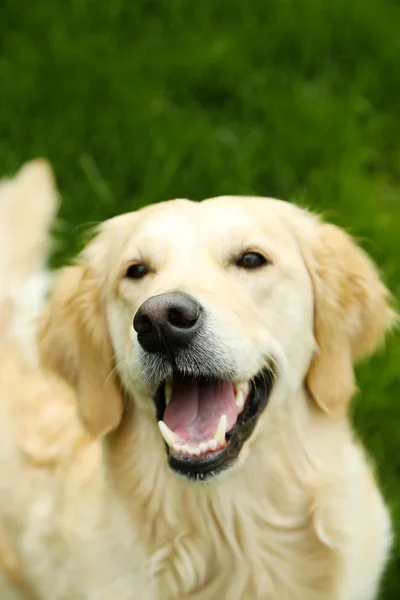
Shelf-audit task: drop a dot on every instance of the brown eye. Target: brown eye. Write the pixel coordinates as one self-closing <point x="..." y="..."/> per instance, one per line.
<point x="136" y="271"/>
<point x="251" y="260"/>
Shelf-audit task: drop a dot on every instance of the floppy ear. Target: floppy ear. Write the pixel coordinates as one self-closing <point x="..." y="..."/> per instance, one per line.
<point x="351" y="317"/>
<point x="74" y="342"/>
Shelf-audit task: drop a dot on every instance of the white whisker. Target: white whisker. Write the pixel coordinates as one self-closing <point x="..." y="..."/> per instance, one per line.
<point x="121" y="362"/>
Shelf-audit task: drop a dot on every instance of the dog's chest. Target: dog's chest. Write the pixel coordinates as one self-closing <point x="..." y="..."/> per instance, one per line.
<point x="243" y="560"/>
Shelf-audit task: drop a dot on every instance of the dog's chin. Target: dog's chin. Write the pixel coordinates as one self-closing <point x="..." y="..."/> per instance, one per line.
<point x="205" y="422"/>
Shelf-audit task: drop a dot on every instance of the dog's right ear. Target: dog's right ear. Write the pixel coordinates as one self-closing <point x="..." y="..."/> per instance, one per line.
<point x="74" y="342"/>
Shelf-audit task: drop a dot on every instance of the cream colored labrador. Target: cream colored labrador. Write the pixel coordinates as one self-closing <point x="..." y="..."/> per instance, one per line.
<point x="173" y="419"/>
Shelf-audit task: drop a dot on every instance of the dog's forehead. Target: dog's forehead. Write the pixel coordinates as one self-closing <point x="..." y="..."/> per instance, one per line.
<point x="213" y="215"/>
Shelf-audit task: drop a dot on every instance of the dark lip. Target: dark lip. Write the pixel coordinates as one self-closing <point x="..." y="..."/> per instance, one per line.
<point x="210" y="465"/>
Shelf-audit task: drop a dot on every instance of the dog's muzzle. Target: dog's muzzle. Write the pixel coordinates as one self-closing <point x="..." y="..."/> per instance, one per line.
<point x="204" y="414"/>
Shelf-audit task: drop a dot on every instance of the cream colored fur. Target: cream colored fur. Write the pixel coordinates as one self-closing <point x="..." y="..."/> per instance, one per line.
<point x="88" y="506"/>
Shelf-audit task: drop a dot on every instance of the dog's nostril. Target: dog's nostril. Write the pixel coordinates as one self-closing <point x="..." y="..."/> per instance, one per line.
<point x="142" y="324"/>
<point x="182" y="319"/>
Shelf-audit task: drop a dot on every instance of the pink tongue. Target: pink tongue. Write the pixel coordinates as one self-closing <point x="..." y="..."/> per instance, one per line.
<point x="196" y="407"/>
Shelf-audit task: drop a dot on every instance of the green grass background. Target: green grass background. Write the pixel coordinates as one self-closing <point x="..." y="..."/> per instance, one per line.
<point x="137" y="101"/>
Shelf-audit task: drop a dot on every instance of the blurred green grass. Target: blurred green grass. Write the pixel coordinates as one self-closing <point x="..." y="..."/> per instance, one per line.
<point x="136" y="102"/>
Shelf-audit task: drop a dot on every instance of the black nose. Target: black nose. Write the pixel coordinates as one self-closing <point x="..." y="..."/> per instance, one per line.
<point x="167" y="322"/>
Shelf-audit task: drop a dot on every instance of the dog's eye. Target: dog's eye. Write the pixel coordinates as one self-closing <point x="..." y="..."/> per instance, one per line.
<point x="136" y="271"/>
<point x="251" y="260"/>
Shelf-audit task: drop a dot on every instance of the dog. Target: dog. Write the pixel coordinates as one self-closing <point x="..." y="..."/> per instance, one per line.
<point x="174" y="405"/>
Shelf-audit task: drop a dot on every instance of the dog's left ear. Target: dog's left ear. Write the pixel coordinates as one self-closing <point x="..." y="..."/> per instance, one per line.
<point x="74" y="342"/>
<point x="351" y="313"/>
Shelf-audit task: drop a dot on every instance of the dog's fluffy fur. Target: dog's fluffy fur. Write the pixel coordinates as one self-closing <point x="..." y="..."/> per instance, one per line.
<point x="89" y="507"/>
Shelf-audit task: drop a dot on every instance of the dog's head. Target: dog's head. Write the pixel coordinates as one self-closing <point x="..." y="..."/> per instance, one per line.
<point x="204" y="313"/>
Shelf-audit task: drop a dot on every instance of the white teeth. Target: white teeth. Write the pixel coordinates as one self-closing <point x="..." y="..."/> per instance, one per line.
<point x="239" y="399"/>
<point x="168" y="435"/>
<point x="242" y="387"/>
<point x="194" y="451"/>
<point x="168" y="392"/>
<point x="220" y="432"/>
<point x="218" y="441"/>
<point x="202" y="448"/>
<point x="212" y="444"/>
<point x="241" y="392"/>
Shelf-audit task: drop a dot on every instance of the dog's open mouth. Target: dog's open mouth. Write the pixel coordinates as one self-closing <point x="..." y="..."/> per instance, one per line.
<point x="204" y="423"/>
